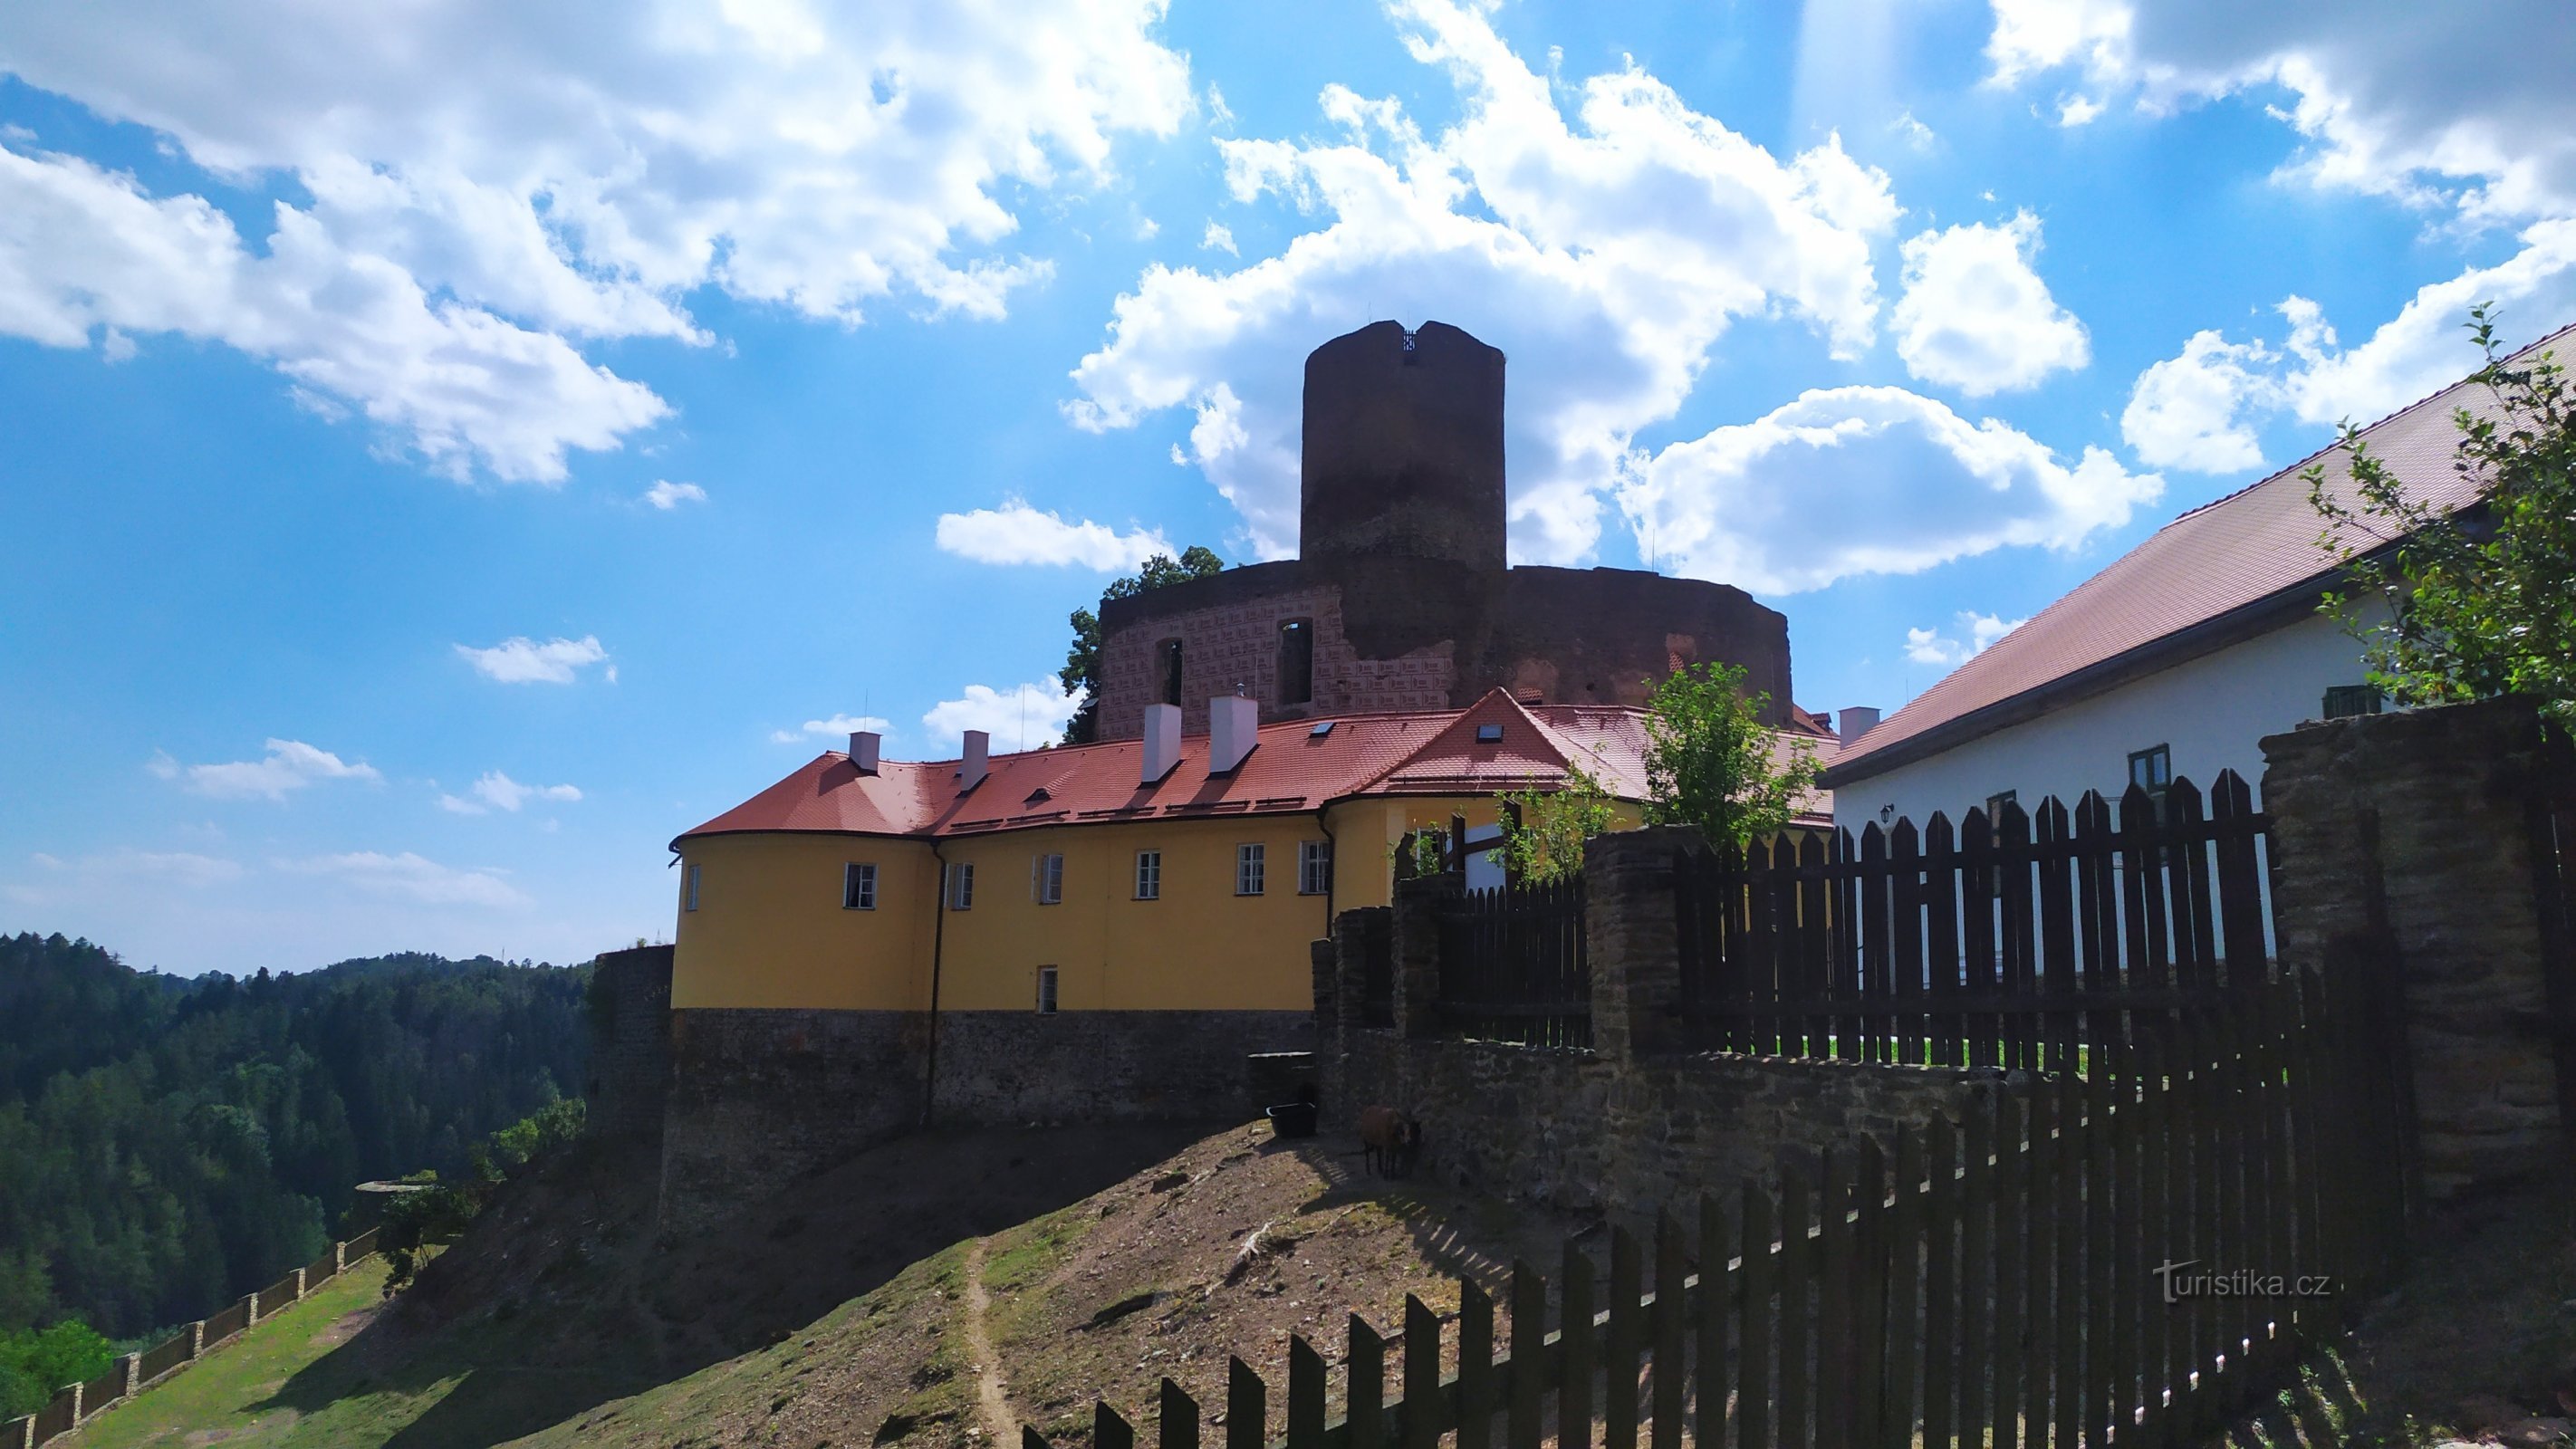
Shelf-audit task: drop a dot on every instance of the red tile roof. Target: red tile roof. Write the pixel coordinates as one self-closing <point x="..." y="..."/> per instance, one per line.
<point x="1292" y="769"/>
<point x="2250" y="548"/>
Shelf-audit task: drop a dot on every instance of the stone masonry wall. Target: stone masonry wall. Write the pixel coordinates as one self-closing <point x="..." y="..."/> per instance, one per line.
<point x="630" y="1042"/>
<point x="1633" y="1123"/>
<point x="2413" y="832"/>
<point x="758" y="1096"/>
<point x="1010" y="1068"/>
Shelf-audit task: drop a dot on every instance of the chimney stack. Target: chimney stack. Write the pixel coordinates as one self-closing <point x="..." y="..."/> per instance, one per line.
<point x="977" y="764"/>
<point x="1162" y="741"/>
<point x="1234" y="727"/>
<point x="1852" y="723"/>
<point x="863" y="750"/>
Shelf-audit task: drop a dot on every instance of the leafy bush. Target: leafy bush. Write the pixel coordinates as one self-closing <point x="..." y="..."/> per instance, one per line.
<point x="34" y="1364"/>
<point x="441" y="1211"/>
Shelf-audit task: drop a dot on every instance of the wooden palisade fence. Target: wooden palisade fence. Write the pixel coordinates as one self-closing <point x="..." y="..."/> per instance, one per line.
<point x="1998" y="1280"/>
<point x="1513" y="966"/>
<point x="2025" y="939"/>
<point x="76" y="1404"/>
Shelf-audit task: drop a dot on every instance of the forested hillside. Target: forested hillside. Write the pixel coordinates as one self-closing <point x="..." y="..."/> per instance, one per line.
<point x="167" y="1144"/>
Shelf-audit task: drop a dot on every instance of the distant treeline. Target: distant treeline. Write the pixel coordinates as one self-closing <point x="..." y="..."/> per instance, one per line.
<point x="168" y="1144"/>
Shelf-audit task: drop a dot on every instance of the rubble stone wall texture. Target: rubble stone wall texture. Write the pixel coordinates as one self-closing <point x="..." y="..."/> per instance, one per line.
<point x="1633" y="1123"/>
<point x="760" y="1096"/>
<point x="2416" y="828"/>
<point x="630" y="1042"/>
<point x="1011" y="1068"/>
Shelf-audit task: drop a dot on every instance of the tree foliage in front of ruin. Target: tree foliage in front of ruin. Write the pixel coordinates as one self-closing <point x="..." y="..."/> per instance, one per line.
<point x="1544" y="830"/>
<point x="1081" y="674"/>
<point x="1713" y="763"/>
<point x="2482" y="601"/>
<point x="444" y="1207"/>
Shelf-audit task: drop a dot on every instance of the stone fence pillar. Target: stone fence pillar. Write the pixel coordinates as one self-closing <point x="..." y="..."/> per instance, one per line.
<point x="196" y="1340"/>
<point x="2414" y="833"/>
<point x="1418" y="903"/>
<point x="1629" y="929"/>
<point x="132" y="1363"/>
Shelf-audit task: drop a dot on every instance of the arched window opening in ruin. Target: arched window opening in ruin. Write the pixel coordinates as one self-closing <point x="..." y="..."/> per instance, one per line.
<point x="1296" y="661"/>
<point x="1171" y="671"/>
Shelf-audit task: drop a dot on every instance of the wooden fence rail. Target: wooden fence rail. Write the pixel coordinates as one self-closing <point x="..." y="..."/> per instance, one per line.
<point x="2046" y="1271"/>
<point x="2024" y="940"/>
<point x="75" y="1404"/>
<point x="1513" y="965"/>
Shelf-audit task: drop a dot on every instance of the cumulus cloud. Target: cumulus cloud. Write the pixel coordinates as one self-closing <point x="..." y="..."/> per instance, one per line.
<point x="289" y="766"/>
<point x="452" y="246"/>
<point x="1976" y="316"/>
<point x="1017" y="719"/>
<point x="2199" y="409"/>
<point x="839" y="724"/>
<point x="1975" y="632"/>
<point x="667" y="495"/>
<point x="1219" y="238"/>
<point x="1015" y="533"/>
<point x="2393" y="98"/>
<point x="497" y="791"/>
<point x="522" y="660"/>
<point x="1628" y="234"/>
<point x="1856" y="480"/>
<point x="410" y="877"/>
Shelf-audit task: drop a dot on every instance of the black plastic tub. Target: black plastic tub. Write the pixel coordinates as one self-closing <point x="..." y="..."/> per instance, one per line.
<point x="1292" y="1119"/>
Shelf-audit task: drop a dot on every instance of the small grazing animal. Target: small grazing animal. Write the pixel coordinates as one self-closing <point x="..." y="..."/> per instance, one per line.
<point x="1389" y="1141"/>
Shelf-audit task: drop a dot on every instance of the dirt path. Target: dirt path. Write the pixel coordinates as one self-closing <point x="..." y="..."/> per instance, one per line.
<point x="992" y="1398"/>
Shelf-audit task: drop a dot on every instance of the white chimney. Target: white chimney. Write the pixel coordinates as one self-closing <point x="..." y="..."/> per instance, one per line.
<point x="1162" y="741"/>
<point x="863" y="750"/>
<point x="1234" y="725"/>
<point x="972" y="770"/>
<point x="1852" y="723"/>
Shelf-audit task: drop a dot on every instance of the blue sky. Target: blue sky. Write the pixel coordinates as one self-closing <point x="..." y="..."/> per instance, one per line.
<point x="444" y="454"/>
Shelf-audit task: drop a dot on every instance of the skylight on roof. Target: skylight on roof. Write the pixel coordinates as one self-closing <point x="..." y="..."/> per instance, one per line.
<point x="1321" y="729"/>
<point x="1489" y="734"/>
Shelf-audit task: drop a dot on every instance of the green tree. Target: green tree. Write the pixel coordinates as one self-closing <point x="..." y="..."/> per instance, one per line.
<point x="34" y="1364"/>
<point x="1544" y="830"/>
<point x="1711" y="762"/>
<point x="2482" y="602"/>
<point x="1081" y="672"/>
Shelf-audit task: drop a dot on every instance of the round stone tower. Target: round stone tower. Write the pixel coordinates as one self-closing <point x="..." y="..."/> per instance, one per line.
<point x="1403" y="449"/>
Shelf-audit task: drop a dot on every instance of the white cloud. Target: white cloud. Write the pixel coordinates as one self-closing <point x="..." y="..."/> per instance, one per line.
<point x="2077" y="110"/>
<point x="497" y="791"/>
<point x="522" y="660"/>
<point x="83" y="249"/>
<point x="2428" y="103"/>
<point x="1916" y="134"/>
<point x="667" y="495"/>
<point x="2199" y="409"/>
<point x="2192" y="411"/>
<point x="839" y="724"/>
<point x="452" y="244"/>
<point x="1606" y="251"/>
<point x="1976" y="631"/>
<point x="185" y="868"/>
<point x="412" y="878"/>
<point x="1219" y="238"/>
<point x="289" y="765"/>
<point x="1015" y="533"/>
<point x="1976" y="316"/>
<point x="1856" y="480"/>
<point x="1019" y="719"/>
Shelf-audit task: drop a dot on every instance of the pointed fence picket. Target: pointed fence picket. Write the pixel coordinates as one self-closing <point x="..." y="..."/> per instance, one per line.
<point x="1992" y="1281"/>
<point x="2024" y="940"/>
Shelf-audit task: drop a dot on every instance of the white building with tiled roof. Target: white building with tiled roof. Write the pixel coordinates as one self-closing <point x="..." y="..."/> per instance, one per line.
<point x="2174" y="661"/>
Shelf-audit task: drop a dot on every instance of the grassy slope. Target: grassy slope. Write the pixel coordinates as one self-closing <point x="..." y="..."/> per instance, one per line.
<point x="235" y="1389"/>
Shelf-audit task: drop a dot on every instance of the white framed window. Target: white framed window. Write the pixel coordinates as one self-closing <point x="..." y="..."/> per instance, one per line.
<point x="961" y="886"/>
<point x="1247" y="870"/>
<point x="1149" y="875"/>
<point x="1046" y="879"/>
<point x="1314" y="867"/>
<point x="859" y="886"/>
<point x="1046" y="991"/>
<point x="689" y="887"/>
